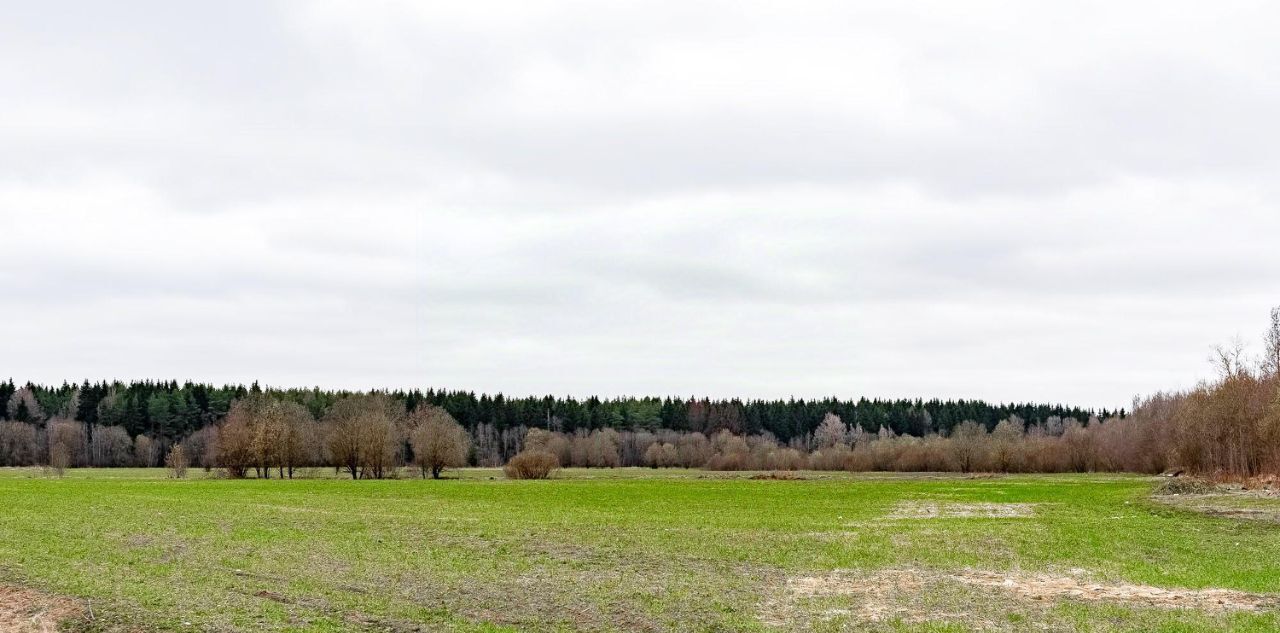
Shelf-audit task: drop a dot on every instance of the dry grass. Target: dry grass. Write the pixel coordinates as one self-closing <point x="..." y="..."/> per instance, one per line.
<point x="975" y="598"/>
<point x="935" y="510"/>
<point x="27" y="611"/>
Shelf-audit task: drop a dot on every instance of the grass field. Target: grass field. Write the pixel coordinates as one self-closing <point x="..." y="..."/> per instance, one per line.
<point x="634" y="550"/>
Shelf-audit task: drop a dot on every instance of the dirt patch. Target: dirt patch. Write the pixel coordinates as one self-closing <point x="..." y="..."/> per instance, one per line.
<point x="1047" y="587"/>
<point x="778" y="475"/>
<point x="949" y="510"/>
<point x="27" y="611"/>
<point x="1229" y="500"/>
<point x="896" y="594"/>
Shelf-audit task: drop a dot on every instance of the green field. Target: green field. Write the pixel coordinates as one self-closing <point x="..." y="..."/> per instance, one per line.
<point x="633" y="550"/>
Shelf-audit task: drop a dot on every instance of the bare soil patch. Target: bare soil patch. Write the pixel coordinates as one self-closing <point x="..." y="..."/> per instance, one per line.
<point x="27" y="611"/>
<point x="1258" y="501"/>
<point x="949" y="510"/>
<point x="904" y="594"/>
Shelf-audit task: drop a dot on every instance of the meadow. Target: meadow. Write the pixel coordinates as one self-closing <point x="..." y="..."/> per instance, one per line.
<point x="633" y="550"/>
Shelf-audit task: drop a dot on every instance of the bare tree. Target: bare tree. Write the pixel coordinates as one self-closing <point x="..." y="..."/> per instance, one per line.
<point x="1005" y="441"/>
<point x="548" y="441"/>
<point x="71" y="435"/>
<point x="602" y="449"/>
<point x="299" y="441"/>
<point x="110" y="446"/>
<point x="177" y="462"/>
<point x="830" y="432"/>
<point x="364" y="434"/>
<point x="24" y="407"/>
<point x="438" y="441"/>
<point x="1229" y="358"/>
<point x="59" y="458"/>
<point x="19" y="444"/>
<point x="233" y="449"/>
<point x="1271" y="345"/>
<point x="968" y="443"/>
<point x="144" y="451"/>
<point x="488" y="447"/>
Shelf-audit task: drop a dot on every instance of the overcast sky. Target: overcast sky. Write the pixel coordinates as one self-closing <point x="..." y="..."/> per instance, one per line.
<point x="1065" y="202"/>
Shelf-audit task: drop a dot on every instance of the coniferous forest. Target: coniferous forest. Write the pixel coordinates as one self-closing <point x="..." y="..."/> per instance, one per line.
<point x="168" y="410"/>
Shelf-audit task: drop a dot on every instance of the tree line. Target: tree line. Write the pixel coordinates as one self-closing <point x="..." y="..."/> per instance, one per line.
<point x="169" y="411"/>
<point x="1230" y="424"/>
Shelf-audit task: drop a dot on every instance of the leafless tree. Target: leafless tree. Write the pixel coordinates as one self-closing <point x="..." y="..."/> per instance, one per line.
<point x="19" y="444"/>
<point x="438" y="441"/>
<point x="25" y="396"/>
<point x="72" y="437"/>
<point x="830" y="432"/>
<point x="968" y="445"/>
<point x="177" y="462"/>
<point x="110" y="446"/>
<point x="365" y="435"/>
<point x="59" y="458"/>
<point x="488" y="445"/>
<point x="145" y="451"/>
<point x="1271" y="345"/>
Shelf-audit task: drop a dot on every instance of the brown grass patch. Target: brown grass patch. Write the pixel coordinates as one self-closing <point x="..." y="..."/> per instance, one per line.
<point x="950" y="510"/>
<point x="910" y="595"/>
<point x="778" y="475"/>
<point x="28" y="611"/>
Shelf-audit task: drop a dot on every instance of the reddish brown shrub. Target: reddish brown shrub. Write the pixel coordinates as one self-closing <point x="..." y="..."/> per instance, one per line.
<point x="533" y="464"/>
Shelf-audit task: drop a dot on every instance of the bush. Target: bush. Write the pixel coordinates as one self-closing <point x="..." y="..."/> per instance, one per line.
<point x="177" y="462"/>
<point x="531" y="465"/>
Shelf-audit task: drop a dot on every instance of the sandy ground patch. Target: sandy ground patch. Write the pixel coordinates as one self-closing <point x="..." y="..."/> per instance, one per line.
<point x="1261" y="504"/>
<point x="950" y="510"/>
<point x="27" y="611"/>
<point x="893" y="594"/>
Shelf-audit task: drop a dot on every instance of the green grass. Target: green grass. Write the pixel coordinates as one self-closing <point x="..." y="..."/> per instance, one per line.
<point x="603" y="550"/>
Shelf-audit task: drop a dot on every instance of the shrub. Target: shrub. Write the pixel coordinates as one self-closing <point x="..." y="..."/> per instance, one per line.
<point x="533" y="464"/>
<point x="177" y="462"/>
<point x="59" y="458"/>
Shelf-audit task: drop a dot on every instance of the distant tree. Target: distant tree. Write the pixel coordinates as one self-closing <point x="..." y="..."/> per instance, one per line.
<point x="438" y="441"/>
<point x="602" y="449"/>
<point x="72" y="437"/>
<point x="234" y="450"/>
<point x="548" y="441"/>
<point x="488" y="445"/>
<point x="145" y="451"/>
<point x="59" y="458"/>
<point x="19" y="444"/>
<point x="1078" y="442"/>
<point x="177" y="462"/>
<point x="110" y="446"/>
<point x="832" y="431"/>
<point x="23" y="406"/>
<point x="661" y="455"/>
<point x="968" y="445"/>
<point x="1005" y="441"/>
<point x="1271" y="345"/>
<point x="364" y="434"/>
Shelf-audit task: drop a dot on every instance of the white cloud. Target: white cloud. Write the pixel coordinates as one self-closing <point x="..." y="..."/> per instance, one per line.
<point x="1001" y="200"/>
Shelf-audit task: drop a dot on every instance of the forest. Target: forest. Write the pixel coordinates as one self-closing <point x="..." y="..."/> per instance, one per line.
<point x="1228" y="425"/>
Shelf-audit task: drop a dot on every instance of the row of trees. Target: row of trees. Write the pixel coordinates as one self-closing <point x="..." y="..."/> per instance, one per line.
<point x="171" y="411"/>
<point x="68" y="443"/>
<point x="1228" y="425"/>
